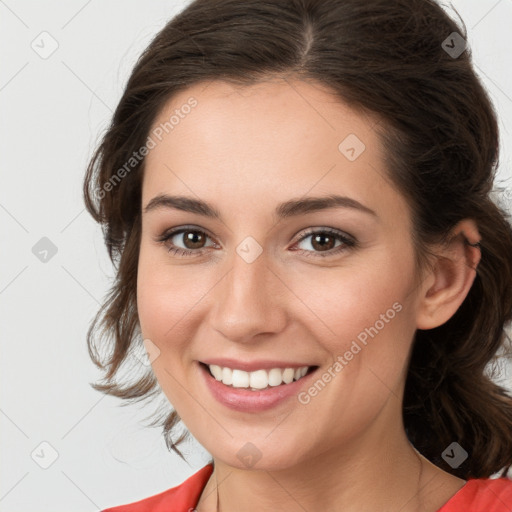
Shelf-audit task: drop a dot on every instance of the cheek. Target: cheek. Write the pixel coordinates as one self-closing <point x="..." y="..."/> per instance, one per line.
<point x="364" y="318"/>
<point x="164" y="311"/>
<point x="348" y="300"/>
<point x="170" y="299"/>
<point x="158" y="303"/>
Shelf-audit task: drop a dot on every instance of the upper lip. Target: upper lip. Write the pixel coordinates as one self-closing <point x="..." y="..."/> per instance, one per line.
<point x="249" y="366"/>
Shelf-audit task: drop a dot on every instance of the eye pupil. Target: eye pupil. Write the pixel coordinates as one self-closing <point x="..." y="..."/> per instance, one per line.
<point x="322" y="246"/>
<point x="192" y="236"/>
<point x="323" y="241"/>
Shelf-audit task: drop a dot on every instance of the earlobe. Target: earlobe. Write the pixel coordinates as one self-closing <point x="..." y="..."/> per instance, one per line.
<point x="451" y="278"/>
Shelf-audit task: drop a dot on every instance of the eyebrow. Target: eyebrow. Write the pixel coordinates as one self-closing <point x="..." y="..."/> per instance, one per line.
<point x="291" y="208"/>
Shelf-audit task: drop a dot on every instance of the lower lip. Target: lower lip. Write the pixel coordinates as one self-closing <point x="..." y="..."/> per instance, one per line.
<point x="245" y="400"/>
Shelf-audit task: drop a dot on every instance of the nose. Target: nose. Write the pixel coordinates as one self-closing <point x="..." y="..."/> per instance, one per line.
<point x="249" y="300"/>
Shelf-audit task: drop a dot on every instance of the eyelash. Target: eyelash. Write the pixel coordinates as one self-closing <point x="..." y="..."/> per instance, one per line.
<point x="348" y="242"/>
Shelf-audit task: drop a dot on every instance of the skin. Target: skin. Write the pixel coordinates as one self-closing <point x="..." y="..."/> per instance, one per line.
<point x="245" y="150"/>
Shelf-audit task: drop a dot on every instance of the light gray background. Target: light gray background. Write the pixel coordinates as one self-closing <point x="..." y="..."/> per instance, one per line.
<point x="54" y="110"/>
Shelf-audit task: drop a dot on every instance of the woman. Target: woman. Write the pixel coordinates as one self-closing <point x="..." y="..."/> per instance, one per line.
<point x="295" y="194"/>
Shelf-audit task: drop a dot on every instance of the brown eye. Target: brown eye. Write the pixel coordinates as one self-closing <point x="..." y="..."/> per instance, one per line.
<point x="193" y="241"/>
<point x="324" y="241"/>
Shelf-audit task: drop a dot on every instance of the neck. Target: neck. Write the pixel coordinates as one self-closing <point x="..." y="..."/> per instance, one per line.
<point x="373" y="473"/>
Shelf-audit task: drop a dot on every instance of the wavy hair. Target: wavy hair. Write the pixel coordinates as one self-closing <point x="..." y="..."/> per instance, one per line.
<point x="396" y="60"/>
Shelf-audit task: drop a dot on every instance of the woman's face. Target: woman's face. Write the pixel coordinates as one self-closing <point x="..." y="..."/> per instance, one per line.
<point x="257" y="285"/>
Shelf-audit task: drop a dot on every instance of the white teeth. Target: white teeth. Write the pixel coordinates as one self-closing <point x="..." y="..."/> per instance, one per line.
<point x="288" y="375"/>
<point x="259" y="379"/>
<point x="227" y="376"/>
<point x="239" y="379"/>
<point x="275" y="377"/>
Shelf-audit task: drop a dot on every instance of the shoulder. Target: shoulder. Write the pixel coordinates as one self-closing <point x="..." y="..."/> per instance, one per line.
<point x="482" y="495"/>
<point x="182" y="498"/>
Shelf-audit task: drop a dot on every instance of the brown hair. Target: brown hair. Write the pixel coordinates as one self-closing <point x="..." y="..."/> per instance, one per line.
<point x="439" y="129"/>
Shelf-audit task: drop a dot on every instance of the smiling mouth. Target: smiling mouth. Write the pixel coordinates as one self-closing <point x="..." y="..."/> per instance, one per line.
<point x="258" y="380"/>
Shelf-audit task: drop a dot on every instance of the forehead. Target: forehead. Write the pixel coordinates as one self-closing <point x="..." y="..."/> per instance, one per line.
<point x="266" y="141"/>
<point x="255" y="113"/>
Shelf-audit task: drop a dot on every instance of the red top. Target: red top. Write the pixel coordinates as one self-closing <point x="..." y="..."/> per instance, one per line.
<point x="477" y="495"/>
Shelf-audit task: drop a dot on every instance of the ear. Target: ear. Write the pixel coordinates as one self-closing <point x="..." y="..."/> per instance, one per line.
<point x="445" y="287"/>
